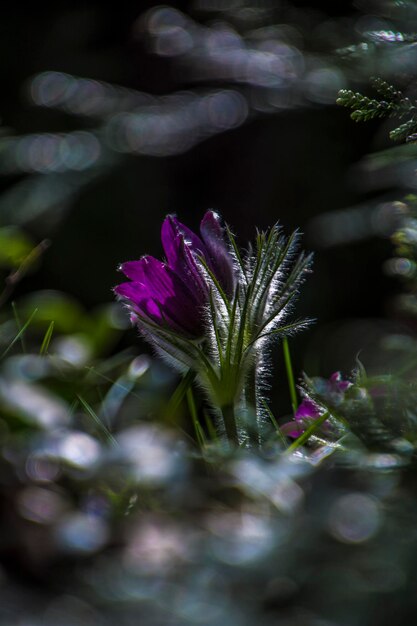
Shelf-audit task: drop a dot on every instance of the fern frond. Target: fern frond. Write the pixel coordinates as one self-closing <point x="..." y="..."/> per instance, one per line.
<point x="393" y="104"/>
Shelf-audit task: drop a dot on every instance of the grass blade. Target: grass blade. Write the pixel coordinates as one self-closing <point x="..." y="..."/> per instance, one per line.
<point x="19" y="326"/>
<point x="97" y="420"/>
<point x="193" y="412"/>
<point x="179" y="393"/>
<point x="19" y="334"/>
<point x="290" y="374"/>
<point x="47" y="339"/>
<point x="307" y="434"/>
<point x="210" y="426"/>
<point x="274" y="423"/>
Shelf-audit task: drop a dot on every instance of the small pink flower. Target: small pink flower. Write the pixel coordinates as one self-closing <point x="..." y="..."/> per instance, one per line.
<point x="308" y="411"/>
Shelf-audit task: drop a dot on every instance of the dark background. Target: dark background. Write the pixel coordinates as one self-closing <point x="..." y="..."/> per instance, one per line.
<point x="289" y="166"/>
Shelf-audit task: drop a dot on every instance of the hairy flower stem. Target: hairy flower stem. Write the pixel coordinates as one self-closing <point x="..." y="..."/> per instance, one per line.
<point x="252" y="406"/>
<point x="229" y="419"/>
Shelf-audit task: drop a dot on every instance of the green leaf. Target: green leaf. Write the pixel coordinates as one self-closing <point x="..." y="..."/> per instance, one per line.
<point x="15" y="246"/>
<point x="67" y="314"/>
<point x="179" y="393"/>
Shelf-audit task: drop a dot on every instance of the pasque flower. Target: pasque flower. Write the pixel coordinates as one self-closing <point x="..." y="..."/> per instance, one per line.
<point x="210" y="310"/>
<point x="173" y="294"/>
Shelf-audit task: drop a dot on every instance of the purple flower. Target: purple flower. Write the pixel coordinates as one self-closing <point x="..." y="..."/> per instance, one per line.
<point x="173" y="293"/>
<point x="308" y="411"/>
<point x="337" y="384"/>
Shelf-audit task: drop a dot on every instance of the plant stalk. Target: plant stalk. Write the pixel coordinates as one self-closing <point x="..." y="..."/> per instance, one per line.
<point x="252" y="407"/>
<point x="229" y="419"/>
<point x="290" y="374"/>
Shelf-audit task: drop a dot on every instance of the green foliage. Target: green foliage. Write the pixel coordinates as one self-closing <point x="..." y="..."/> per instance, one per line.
<point x="15" y="246"/>
<point x="378" y="410"/>
<point x="403" y="265"/>
<point x="392" y="104"/>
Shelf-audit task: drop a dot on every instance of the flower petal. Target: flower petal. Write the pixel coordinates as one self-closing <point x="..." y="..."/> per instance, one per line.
<point x="160" y="294"/>
<point x="292" y="429"/>
<point x="307" y="410"/>
<point x="171" y="230"/>
<point x="338" y="383"/>
<point x="133" y="269"/>
<point x="180" y="252"/>
<point x="220" y="258"/>
<point x="140" y="299"/>
<point x="190" y="237"/>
